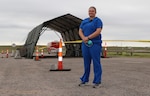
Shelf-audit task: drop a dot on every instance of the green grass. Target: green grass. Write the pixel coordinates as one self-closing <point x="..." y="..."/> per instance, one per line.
<point x="10" y="48"/>
<point x="124" y="54"/>
<point x="109" y="54"/>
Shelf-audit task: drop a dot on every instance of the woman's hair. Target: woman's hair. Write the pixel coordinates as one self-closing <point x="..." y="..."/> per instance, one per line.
<point x="93" y="8"/>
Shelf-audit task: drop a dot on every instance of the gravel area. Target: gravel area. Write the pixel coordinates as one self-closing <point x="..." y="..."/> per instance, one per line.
<point x="27" y="77"/>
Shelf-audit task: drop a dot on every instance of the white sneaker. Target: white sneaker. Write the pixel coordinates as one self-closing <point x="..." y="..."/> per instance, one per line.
<point x="83" y="84"/>
<point x="96" y="85"/>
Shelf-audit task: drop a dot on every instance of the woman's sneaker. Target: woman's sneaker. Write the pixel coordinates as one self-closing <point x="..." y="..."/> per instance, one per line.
<point x="83" y="84"/>
<point x="96" y="85"/>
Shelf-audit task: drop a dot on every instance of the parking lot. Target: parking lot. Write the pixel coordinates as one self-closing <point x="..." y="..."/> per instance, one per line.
<point x="27" y="77"/>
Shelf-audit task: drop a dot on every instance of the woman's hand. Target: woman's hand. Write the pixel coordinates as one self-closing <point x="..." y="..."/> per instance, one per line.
<point x="85" y="39"/>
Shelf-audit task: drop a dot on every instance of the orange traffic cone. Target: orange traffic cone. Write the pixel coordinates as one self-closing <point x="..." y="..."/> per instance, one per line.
<point x="42" y="54"/>
<point x="105" y="50"/>
<point x="7" y="53"/>
<point x="37" y="54"/>
<point x="2" y="54"/>
<point x="60" y="59"/>
<point x="60" y="64"/>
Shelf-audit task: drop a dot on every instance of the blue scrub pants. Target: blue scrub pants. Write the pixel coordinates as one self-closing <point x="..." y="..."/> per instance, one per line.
<point x="92" y="53"/>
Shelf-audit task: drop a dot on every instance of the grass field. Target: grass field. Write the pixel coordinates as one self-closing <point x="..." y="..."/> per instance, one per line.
<point x="124" y="54"/>
<point x="111" y="51"/>
<point x="128" y="51"/>
<point x="10" y="48"/>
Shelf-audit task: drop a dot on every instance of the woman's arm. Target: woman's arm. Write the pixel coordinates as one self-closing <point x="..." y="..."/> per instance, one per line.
<point x="85" y="39"/>
<point x="95" y="34"/>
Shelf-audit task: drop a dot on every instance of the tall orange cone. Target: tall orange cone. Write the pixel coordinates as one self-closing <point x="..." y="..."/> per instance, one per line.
<point x="60" y="59"/>
<point x="60" y="64"/>
<point x="37" y="54"/>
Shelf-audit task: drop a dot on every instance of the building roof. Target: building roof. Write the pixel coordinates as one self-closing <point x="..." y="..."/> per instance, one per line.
<point x="63" y="23"/>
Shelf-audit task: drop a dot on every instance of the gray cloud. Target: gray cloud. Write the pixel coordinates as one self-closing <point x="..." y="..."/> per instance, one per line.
<point x="125" y="19"/>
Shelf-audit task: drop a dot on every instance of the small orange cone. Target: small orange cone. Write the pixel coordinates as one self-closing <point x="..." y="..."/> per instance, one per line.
<point x="2" y="54"/>
<point x="105" y="51"/>
<point x="7" y="53"/>
<point x="60" y="59"/>
<point x="37" y="54"/>
<point x="42" y="54"/>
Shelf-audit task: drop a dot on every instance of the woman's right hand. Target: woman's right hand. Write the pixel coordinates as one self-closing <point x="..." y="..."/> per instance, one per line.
<point x="85" y="39"/>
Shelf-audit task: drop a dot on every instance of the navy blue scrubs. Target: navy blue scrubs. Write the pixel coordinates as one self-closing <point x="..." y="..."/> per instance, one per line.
<point x="92" y="53"/>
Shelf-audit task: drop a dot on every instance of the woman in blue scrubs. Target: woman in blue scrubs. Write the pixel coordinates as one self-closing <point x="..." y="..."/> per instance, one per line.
<point x="90" y="33"/>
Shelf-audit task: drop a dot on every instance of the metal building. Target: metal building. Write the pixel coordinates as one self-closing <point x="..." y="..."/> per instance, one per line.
<point x="67" y="25"/>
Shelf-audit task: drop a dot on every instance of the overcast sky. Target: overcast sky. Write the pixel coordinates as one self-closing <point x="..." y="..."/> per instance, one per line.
<point x="122" y="19"/>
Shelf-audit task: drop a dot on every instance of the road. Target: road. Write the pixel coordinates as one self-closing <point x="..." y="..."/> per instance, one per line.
<point x="27" y="77"/>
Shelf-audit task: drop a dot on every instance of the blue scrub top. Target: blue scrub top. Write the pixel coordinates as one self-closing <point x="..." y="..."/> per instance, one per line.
<point x="89" y="26"/>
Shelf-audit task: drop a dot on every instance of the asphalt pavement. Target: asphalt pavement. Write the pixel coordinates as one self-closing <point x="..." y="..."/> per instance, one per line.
<point x="27" y="77"/>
